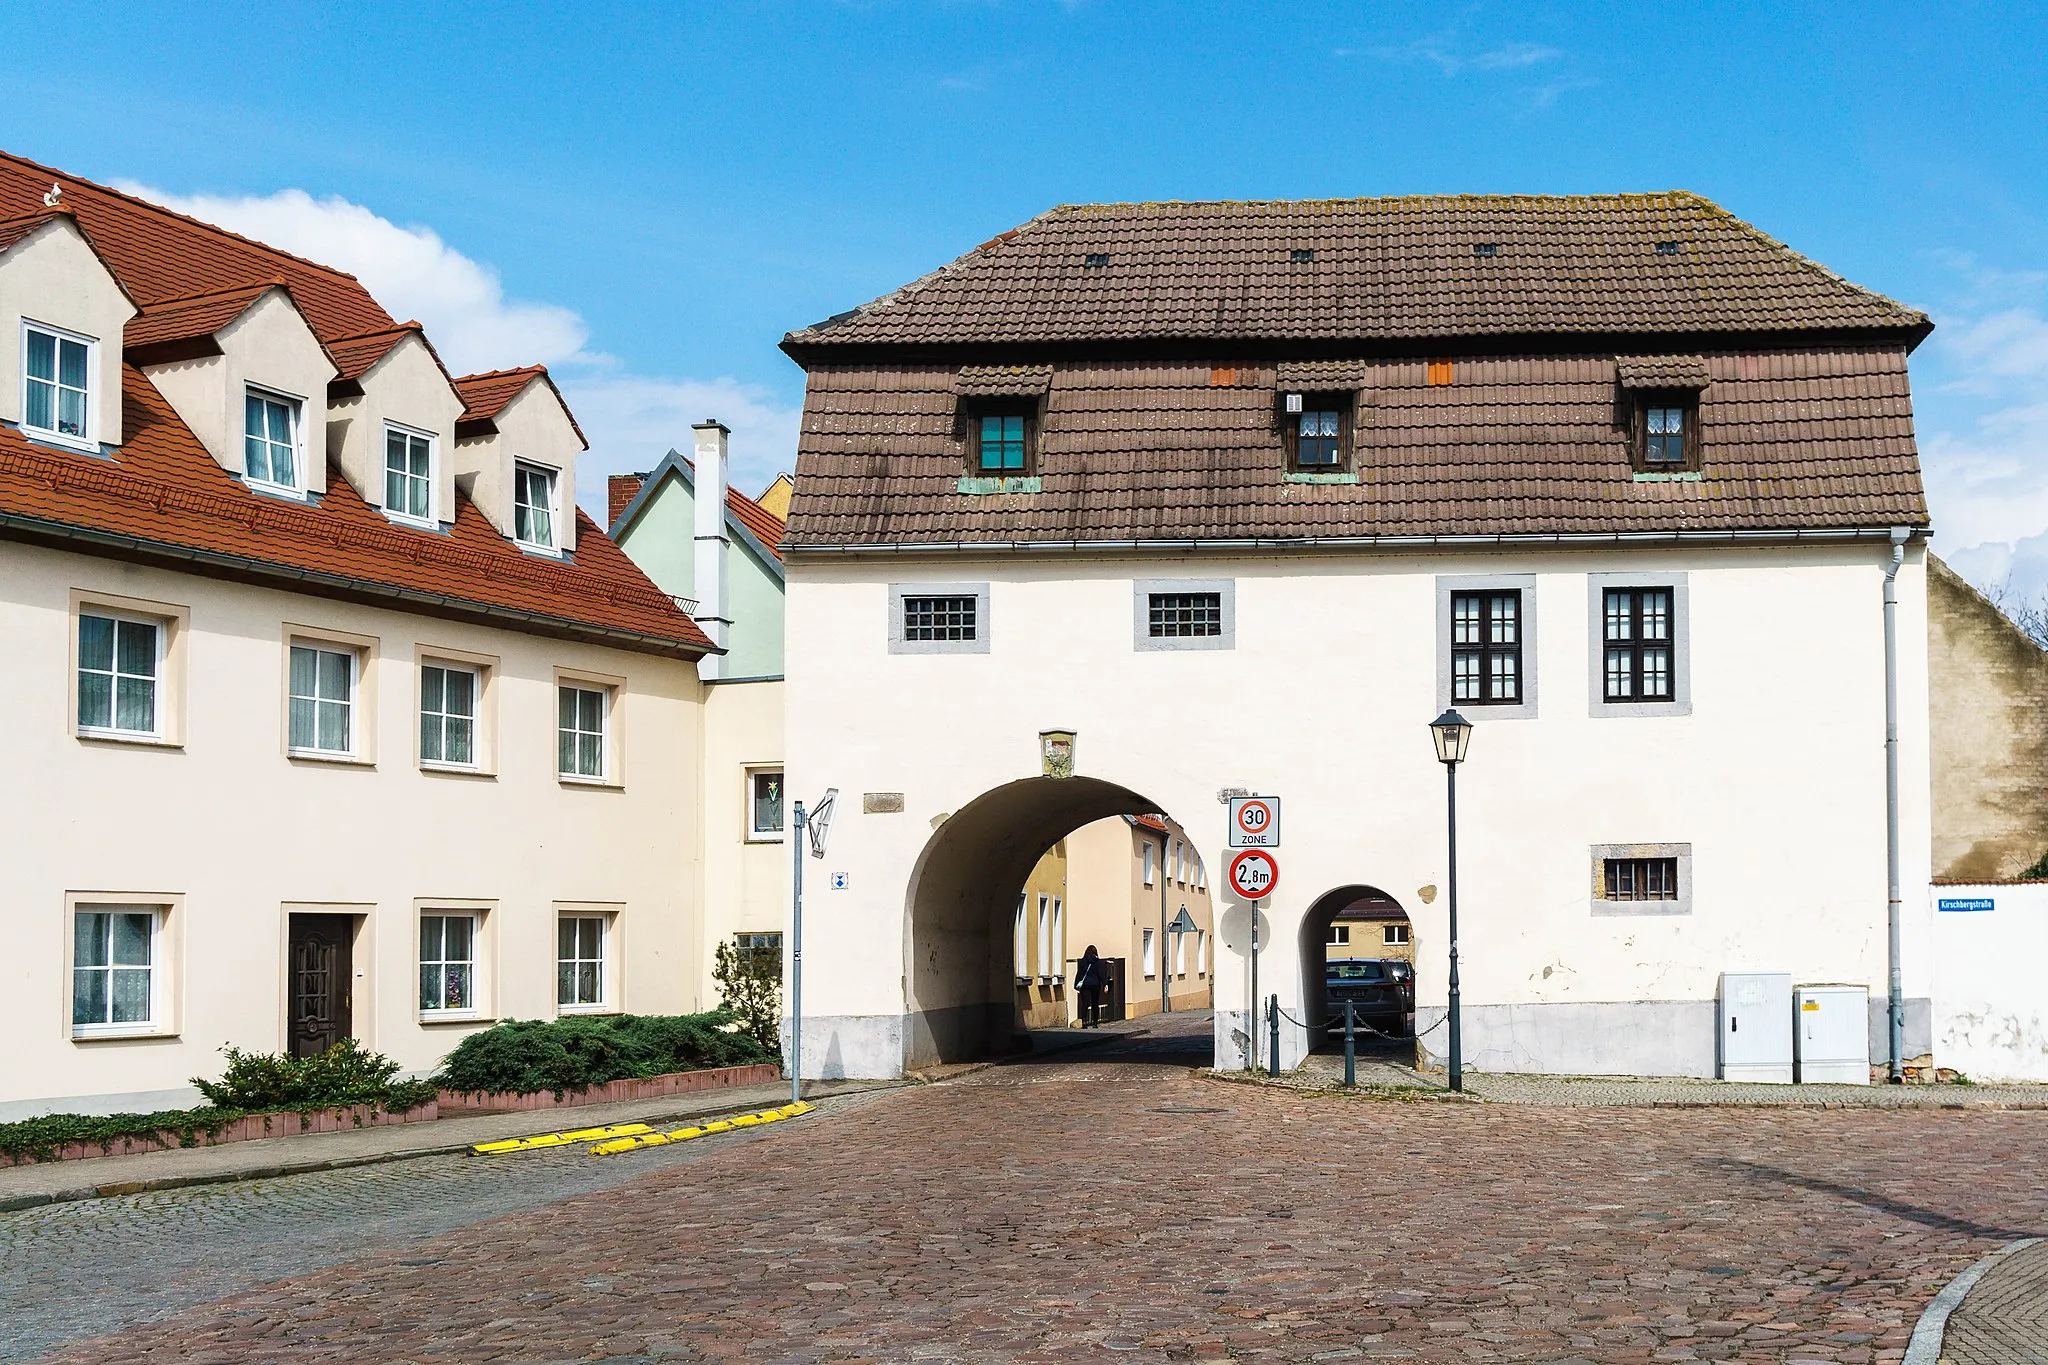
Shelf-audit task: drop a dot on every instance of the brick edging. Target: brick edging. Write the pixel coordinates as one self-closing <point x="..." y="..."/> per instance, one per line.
<point x="462" y="1102"/>
<point x="281" y="1124"/>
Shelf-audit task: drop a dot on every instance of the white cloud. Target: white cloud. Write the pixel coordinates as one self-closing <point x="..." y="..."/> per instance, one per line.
<point x="631" y="420"/>
<point x="410" y="270"/>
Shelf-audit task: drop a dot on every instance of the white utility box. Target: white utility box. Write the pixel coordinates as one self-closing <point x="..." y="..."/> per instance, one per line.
<point x="1833" y="1034"/>
<point x="1756" y="1027"/>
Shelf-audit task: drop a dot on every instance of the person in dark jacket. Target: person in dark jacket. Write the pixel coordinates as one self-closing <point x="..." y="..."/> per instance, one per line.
<point x="1090" y="976"/>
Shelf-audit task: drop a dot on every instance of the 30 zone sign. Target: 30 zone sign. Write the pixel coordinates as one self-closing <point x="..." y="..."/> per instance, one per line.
<point x="1255" y="822"/>
<point x="1254" y="873"/>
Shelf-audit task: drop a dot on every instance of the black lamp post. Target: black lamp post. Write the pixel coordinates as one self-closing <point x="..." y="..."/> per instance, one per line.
<point x="1453" y="733"/>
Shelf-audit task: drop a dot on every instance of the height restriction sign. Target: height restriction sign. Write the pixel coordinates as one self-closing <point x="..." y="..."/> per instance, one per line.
<point x="1255" y="822"/>
<point x="1254" y="873"/>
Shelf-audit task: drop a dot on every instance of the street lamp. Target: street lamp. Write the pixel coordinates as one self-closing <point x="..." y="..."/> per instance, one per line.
<point x="1453" y="734"/>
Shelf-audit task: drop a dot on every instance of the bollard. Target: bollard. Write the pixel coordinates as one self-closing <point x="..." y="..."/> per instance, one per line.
<point x="1273" y="1013"/>
<point x="1350" y="1047"/>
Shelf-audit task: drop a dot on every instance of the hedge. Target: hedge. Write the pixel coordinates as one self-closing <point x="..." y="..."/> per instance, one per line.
<point x="524" y="1056"/>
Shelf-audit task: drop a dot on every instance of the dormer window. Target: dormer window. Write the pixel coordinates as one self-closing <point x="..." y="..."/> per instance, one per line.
<point x="1318" y="432"/>
<point x="533" y="506"/>
<point x="56" y="398"/>
<point x="270" y="439"/>
<point x="408" y="474"/>
<point x="1003" y="439"/>
<point x="1666" y="436"/>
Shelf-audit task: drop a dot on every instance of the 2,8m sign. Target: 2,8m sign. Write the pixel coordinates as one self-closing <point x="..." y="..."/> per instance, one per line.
<point x="1255" y="822"/>
<point x="1254" y="873"/>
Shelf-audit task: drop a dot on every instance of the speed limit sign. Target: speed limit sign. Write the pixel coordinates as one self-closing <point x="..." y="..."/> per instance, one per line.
<point x="1254" y="873"/>
<point x="1254" y="822"/>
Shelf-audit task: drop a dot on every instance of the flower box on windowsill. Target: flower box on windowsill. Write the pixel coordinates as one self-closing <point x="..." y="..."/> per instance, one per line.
<point x="454" y="1102"/>
<point x="335" y="1120"/>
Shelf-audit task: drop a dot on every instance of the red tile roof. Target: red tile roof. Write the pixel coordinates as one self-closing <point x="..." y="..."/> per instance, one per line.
<point x="163" y="498"/>
<point x="485" y="395"/>
<point x="766" y="526"/>
<point x="188" y="319"/>
<point x="353" y="356"/>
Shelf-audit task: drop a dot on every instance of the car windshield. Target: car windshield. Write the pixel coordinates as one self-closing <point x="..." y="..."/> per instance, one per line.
<point x="1357" y="971"/>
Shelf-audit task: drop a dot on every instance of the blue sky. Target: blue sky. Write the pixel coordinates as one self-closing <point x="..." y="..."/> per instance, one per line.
<point x="648" y="197"/>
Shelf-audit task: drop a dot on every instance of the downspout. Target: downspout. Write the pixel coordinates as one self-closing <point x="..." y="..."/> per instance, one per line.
<point x="1896" y="1006"/>
<point x="1165" y="976"/>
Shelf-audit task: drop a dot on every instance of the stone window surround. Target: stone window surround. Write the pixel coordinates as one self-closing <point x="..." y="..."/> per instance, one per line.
<point x="1446" y="584"/>
<point x="1604" y="908"/>
<point x="1141" y="611"/>
<point x="978" y="645"/>
<point x="1597" y="704"/>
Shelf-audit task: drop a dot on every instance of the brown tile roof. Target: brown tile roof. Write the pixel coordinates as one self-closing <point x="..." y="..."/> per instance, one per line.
<point x="1664" y="371"/>
<point x="1528" y="445"/>
<point x="202" y="315"/>
<point x="485" y="395"/>
<point x="1003" y="381"/>
<point x="162" y="497"/>
<point x="1354" y="270"/>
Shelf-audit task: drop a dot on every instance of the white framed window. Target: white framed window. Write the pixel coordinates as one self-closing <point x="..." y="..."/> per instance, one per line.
<point x="1150" y="955"/>
<point x="1180" y="955"/>
<point x="448" y="964"/>
<point x="1147" y="855"/>
<point x="1339" y="936"/>
<point x="580" y="972"/>
<point x="1059" y="939"/>
<point x="1020" y="945"/>
<point x="533" y="506"/>
<point x="270" y="439"/>
<point x="56" y="383"/>
<point x="1044" y="936"/>
<point x="120" y="663"/>
<point x="408" y="474"/>
<point x="116" y="970"/>
<point x="1201" y="875"/>
<point x="448" y="708"/>
<point x="581" y="713"/>
<point x="764" y="805"/>
<point x="1201" y="952"/>
<point x="1395" y="935"/>
<point x="322" y="701"/>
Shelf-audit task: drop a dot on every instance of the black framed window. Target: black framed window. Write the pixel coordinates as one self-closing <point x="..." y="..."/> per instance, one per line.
<point x="939" y="618"/>
<point x="1638" y="626"/>
<point x="1641" y="879"/>
<point x="1486" y="647"/>
<point x="1183" y="615"/>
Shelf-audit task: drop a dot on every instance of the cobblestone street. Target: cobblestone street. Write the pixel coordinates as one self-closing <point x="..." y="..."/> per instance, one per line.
<point x="1104" y="1205"/>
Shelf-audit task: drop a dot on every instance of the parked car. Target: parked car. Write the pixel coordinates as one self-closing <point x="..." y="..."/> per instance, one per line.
<point x="1381" y="992"/>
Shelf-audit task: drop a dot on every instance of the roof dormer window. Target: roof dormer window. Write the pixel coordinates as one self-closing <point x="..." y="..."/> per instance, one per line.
<point x="270" y="439"/>
<point x="408" y="474"/>
<point x="56" y="396"/>
<point x="533" y="506"/>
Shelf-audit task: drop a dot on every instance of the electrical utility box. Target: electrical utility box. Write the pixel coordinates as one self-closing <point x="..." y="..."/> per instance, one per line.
<point x="1756" y="1027"/>
<point x="1832" y="1034"/>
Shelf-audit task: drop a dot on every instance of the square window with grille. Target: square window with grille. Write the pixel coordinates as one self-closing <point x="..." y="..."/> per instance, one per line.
<point x="1640" y="879"/>
<point x="760" y="954"/>
<point x="1638" y="629"/>
<point x="1184" y="615"/>
<point x="1003" y="440"/>
<point x="1486" y="647"/>
<point x="939" y="618"/>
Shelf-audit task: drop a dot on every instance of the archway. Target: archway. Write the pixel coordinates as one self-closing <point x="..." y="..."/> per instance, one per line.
<point x="960" y="985"/>
<point x="1357" y="941"/>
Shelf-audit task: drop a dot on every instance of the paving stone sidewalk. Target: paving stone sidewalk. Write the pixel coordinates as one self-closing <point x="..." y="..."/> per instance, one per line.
<point x="101" y="1177"/>
<point x="2004" y="1318"/>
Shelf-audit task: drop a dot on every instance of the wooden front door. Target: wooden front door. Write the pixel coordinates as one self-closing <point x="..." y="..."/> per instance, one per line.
<point x="321" y="975"/>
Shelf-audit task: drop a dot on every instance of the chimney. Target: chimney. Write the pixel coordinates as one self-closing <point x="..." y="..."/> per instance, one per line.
<point x="620" y="490"/>
<point x="708" y="580"/>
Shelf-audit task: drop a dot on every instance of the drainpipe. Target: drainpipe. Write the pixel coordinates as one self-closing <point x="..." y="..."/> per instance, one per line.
<point x="1165" y="976"/>
<point x="708" y="579"/>
<point x="1896" y="1006"/>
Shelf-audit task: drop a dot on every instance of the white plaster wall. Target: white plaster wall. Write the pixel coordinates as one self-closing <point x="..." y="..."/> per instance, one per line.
<point x="1776" y="777"/>
<point x="53" y="276"/>
<point x="535" y="427"/>
<point x="1990" y="995"/>
<point x="409" y="388"/>
<point x="746" y="884"/>
<point x="238" y="831"/>
<point x="268" y="346"/>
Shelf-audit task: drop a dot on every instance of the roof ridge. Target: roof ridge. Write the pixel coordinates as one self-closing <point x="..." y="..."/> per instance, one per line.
<point x="408" y="326"/>
<point x="931" y="277"/>
<point x="169" y="212"/>
<point x="1608" y="196"/>
<point x="258" y="287"/>
<point x="499" y="374"/>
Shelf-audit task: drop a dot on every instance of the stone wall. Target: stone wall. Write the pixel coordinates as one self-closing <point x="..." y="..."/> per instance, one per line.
<point x="1988" y="714"/>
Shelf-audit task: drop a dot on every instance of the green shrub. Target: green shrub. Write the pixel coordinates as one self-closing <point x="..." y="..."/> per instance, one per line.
<point x="750" y="986"/>
<point x="526" y="1056"/>
<point x="2038" y="869"/>
<point x="344" y="1074"/>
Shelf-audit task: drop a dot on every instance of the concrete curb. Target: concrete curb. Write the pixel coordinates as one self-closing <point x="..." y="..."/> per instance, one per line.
<point x="114" y="1189"/>
<point x="1925" y="1347"/>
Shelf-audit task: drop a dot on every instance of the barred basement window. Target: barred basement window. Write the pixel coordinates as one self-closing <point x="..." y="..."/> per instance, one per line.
<point x="1641" y="879"/>
<point x="1638" y="632"/>
<point x="1486" y="647"/>
<point x="938" y="618"/>
<point x="1178" y="615"/>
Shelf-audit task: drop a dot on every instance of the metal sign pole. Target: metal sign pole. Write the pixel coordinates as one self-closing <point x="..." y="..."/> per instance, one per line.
<point x="1350" y="1046"/>
<point x="796" y="958"/>
<point x="1273" y="1013"/>
<point x="1251" y="1012"/>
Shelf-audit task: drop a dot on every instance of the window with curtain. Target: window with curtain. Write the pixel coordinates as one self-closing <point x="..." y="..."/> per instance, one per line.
<point x="448" y="699"/>
<point x="764" y="804"/>
<point x="580" y="731"/>
<point x="408" y="474"/>
<point x="56" y="383"/>
<point x="1318" y="438"/>
<point x="533" y="506"/>
<point x="1486" y="647"/>
<point x="270" y="439"/>
<point x="579" y="961"/>
<point x="1638" y="630"/>
<point x="323" y="684"/>
<point x="447" y="963"/>
<point x="113" y="969"/>
<point x="118" y="662"/>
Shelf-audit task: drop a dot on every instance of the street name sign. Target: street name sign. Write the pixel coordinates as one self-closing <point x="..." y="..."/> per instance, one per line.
<point x="1254" y="873"/>
<point x="1255" y="822"/>
<point x="1965" y="903"/>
